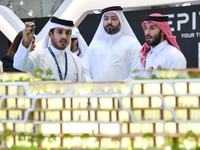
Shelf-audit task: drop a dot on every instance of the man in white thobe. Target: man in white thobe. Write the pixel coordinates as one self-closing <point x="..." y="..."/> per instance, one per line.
<point x="114" y="51"/>
<point x="78" y="44"/>
<point x="55" y="54"/>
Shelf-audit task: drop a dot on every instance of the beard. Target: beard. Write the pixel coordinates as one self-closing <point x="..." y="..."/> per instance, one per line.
<point x="114" y="30"/>
<point x="62" y="47"/>
<point x="155" y="39"/>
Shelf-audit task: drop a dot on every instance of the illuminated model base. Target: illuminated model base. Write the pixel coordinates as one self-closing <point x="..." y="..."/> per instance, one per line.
<point x="138" y="114"/>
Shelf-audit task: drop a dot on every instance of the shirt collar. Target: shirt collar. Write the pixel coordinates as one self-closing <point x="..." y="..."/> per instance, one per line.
<point x="159" y="47"/>
<point x="76" y="52"/>
<point x="57" y="51"/>
<point x="113" y="36"/>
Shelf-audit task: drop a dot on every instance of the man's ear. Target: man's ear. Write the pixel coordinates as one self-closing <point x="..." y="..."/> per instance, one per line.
<point x="162" y="33"/>
<point x="162" y="36"/>
<point x="76" y="42"/>
<point x="50" y="34"/>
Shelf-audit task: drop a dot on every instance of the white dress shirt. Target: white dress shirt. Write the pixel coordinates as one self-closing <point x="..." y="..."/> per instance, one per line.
<point x="166" y="56"/>
<point x="76" y="52"/>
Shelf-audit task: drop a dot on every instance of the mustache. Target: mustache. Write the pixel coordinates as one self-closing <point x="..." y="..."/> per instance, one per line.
<point x="63" y="40"/>
<point x="109" y="25"/>
<point x="148" y="36"/>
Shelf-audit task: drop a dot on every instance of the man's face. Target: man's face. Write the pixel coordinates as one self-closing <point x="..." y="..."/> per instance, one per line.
<point x="153" y="34"/>
<point x="71" y="46"/>
<point x="60" y="38"/>
<point x="74" y="45"/>
<point x="33" y="45"/>
<point x="111" y="23"/>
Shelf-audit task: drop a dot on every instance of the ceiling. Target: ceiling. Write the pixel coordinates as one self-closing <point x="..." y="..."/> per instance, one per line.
<point x="32" y="8"/>
<point x="46" y="8"/>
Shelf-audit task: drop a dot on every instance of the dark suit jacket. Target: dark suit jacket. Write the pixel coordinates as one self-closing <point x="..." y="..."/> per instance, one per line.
<point x="8" y="63"/>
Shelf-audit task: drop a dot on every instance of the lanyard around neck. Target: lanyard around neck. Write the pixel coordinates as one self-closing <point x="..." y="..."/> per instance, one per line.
<point x="60" y="73"/>
<point x="79" y="53"/>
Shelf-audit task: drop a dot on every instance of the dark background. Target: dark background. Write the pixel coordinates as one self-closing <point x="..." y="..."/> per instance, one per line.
<point x="189" y="46"/>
